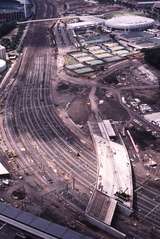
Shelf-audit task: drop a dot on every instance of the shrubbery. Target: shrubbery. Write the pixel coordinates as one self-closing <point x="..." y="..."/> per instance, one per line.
<point x="12" y="42"/>
<point x="152" y="56"/>
<point x="6" y="28"/>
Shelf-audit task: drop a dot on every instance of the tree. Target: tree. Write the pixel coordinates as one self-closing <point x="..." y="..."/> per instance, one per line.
<point x="152" y="56"/>
<point x="7" y="27"/>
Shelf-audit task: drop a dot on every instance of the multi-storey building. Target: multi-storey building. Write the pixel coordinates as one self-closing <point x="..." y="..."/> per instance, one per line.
<point x="2" y="52"/>
<point x="14" y="10"/>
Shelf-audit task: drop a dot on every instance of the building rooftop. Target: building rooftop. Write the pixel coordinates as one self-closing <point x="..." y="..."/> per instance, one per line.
<point x="77" y="25"/>
<point x="153" y="117"/>
<point x="94" y="62"/>
<point x="83" y="70"/>
<point x="101" y="207"/>
<point x="129" y="22"/>
<point x="109" y="128"/>
<point x="75" y="66"/>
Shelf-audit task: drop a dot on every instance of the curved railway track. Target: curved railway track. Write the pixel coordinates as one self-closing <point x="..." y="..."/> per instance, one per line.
<point x="32" y="126"/>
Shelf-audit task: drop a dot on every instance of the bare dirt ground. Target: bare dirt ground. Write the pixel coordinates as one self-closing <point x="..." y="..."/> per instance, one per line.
<point x="110" y="108"/>
<point x="150" y="97"/>
<point x="79" y="110"/>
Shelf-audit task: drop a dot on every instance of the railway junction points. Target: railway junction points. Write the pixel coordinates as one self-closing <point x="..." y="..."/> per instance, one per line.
<point x="78" y="125"/>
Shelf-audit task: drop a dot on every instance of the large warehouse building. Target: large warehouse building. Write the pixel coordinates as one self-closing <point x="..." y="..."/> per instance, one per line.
<point x="129" y="23"/>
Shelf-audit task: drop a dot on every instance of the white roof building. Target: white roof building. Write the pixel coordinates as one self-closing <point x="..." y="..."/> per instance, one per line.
<point x="86" y="21"/>
<point x="77" y="25"/>
<point x="154" y="117"/>
<point x="2" y="65"/>
<point x="125" y="22"/>
<point x="129" y="22"/>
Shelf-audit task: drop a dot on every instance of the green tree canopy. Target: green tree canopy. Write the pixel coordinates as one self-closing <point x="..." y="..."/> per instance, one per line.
<point x="7" y="27"/>
<point x="152" y="56"/>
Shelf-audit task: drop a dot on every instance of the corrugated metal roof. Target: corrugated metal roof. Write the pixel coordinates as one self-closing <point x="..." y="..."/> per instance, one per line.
<point x="95" y="62"/>
<point x="83" y="70"/>
<point x="103" y="55"/>
<point x="74" y="66"/>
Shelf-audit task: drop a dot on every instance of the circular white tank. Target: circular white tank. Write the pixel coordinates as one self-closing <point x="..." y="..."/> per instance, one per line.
<point x="2" y="65"/>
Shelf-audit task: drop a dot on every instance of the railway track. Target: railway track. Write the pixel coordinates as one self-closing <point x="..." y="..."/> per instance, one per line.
<point x="148" y="204"/>
<point x="31" y="123"/>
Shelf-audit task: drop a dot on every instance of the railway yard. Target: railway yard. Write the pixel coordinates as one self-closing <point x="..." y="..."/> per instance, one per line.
<point x="55" y="100"/>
